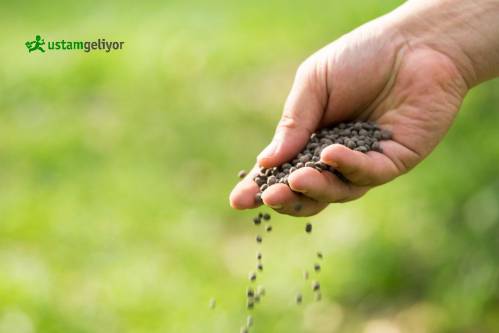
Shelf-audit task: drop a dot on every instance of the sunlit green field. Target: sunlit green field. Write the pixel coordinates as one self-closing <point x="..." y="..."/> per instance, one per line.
<point x="115" y="170"/>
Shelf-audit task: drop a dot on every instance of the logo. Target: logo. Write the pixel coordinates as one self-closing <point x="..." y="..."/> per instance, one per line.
<point x="64" y="45"/>
<point x="35" y="44"/>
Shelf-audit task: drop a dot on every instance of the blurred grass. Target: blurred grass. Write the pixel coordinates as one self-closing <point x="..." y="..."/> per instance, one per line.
<point x="115" y="170"/>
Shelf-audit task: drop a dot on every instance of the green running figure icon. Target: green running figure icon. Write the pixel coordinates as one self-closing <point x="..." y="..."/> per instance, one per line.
<point x="36" y="44"/>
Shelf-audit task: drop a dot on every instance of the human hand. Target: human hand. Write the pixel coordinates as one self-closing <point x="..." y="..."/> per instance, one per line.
<point x="390" y="71"/>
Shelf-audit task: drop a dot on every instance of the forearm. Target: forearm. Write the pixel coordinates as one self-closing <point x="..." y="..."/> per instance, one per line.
<point x="467" y="31"/>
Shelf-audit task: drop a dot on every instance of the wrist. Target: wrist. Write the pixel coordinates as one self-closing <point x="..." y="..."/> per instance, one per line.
<point x="466" y="31"/>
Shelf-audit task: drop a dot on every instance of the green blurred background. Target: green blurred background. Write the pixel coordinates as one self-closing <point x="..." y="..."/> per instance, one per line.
<point x="115" y="171"/>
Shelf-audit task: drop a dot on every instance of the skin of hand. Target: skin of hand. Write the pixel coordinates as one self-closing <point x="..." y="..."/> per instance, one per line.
<point x="408" y="71"/>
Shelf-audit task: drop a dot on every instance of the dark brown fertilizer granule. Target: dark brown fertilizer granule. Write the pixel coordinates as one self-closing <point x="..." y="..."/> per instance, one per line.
<point x="257" y="220"/>
<point x="242" y="174"/>
<point x="268" y="228"/>
<point x="320" y="255"/>
<point x="252" y="276"/>
<point x="259" y="239"/>
<point x="259" y="256"/>
<point x="359" y="136"/>
<point x="299" y="298"/>
<point x="316" y="286"/>
<point x="259" y="266"/>
<point x="258" y="198"/>
<point x="250" y="292"/>
<point x="308" y="227"/>
<point x="317" y="268"/>
<point x="249" y="321"/>
<point x="266" y="217"/>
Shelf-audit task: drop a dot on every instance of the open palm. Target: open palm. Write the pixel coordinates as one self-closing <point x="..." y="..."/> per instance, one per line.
<point x="374" y="73"/>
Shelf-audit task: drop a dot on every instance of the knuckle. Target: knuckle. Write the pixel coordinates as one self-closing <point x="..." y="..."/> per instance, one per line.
<point x="305" y="69"/>
<point x="311" y="71"/>
<point x="302" y="70"/>
<point x="288" y="121"/>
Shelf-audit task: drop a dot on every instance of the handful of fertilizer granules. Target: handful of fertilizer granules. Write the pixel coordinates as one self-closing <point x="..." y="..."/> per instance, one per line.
<point x="359" y="136"/>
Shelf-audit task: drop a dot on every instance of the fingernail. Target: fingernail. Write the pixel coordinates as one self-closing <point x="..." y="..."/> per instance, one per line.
<point x="269" y="150"/>
<point x="329" y="162"/>
<point x="333" y="164"/>
<point x="297" y="189"/>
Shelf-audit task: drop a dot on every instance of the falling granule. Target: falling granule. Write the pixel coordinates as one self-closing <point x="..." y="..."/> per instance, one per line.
<point x="317" y="268"/>
<point x="259" y="266"/>
<point x="305" y="275"/>
<point x="308" y="227"/>
<point x="249" y="321"/>
<point x="250" y="304"/>
<point x="257" y="220"/>
<point x="319" y="255"/>
<point x="250" y="292"/>
<point x="316" y="286"/>
<point x="259" y="255"/>
<point x="268" y="228"/>
<point x="252" y="276"/>
<point x="213" y="303"/>
<point x="259" y="239"/>
<point x="318" y="296"/>
<point x="257" y="299"/>
<point x="299" y="298"/>
<point x="266" y="217"/>
<point x="242" y="174"/>
<point x="260" y="290"/>
<point x="244" y="329"/>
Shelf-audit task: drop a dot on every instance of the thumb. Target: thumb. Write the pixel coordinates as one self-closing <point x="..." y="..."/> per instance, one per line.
<point x="302" y="112"/>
